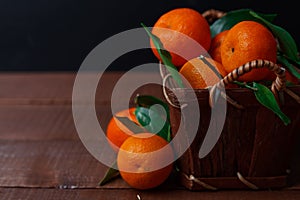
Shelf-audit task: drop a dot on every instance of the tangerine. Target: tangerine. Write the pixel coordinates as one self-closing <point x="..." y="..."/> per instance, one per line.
<point x="291" y="78"/>
<point x="180" y="21"/>
<point x="247" y="41"/>
<point x="139" y="160"/>
<point x="215" y="47"/>
<point x="116" y="132"/>
<point x="202" y="72"/>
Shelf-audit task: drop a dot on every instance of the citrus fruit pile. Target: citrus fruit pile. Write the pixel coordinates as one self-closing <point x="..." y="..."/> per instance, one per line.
<point x="140" y="153"/>
<point x="244" y="41"/>
<point x="219" y="52"/>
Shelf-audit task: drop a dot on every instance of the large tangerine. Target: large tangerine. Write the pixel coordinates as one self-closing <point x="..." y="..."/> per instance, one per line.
<point x="182" y="21"/>
<point x="247" y="41"/>
<point x="139" y="165"/>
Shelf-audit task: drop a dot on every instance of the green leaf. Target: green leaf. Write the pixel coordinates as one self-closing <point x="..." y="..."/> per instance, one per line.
<point x="286" y="42"/>
<point x="165" y="56"/>
<point x="265" y="96"/>
<point x="288" y="65"/>
<point x="211" y="66"/>
<point x="169" y="136"/>
<point x="154" y="122"/>
<point x="142" y="117"/>
<point x="233" y="17"/>
<point x="290" y="60"/>
<point x="110" y="174"/>
<point x="147" y="101"/>
<point x="245" y="85"/>
<point x="135" y="128"/>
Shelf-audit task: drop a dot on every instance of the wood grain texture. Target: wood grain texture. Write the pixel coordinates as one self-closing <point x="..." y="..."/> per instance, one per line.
<point x="254" y="142"/>
<point x="42" y="156"/>
<point x="57" y="87"/>
<point x="48" y="164"/>
<point x="109" y="194"/>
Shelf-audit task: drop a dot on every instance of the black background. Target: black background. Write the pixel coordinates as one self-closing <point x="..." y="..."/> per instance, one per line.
<point x="56" y="35"/>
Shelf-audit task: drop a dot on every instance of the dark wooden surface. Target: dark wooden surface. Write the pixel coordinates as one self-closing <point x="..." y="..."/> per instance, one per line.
<point x="42" y="157"/>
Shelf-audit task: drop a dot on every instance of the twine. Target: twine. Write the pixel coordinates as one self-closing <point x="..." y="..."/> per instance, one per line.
<point x="246" y="182"/>
<point x="205" y="185"/>
<point x="293" y="95"/>
<point x="165" y="91"/>
<point x="210" y="187"/>
<point x="277" y="85"/>
<point x="224" y="95"/>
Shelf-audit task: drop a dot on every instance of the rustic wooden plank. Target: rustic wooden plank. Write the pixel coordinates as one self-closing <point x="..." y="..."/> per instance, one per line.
<point x="42" y="157"/>
<point x="59" y="164"/>
<point x="56" y="88"/>
<point x="185" y="194"/>
<point x="36" y="85"/>
<point x="54" y="164"/>
<point x="108" y="194"/>
<point x="43" y="122"/>
<point x="31" y="107"/>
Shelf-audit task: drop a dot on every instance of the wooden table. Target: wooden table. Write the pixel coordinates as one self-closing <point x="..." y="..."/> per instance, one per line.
<point x="42" y="156"/>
